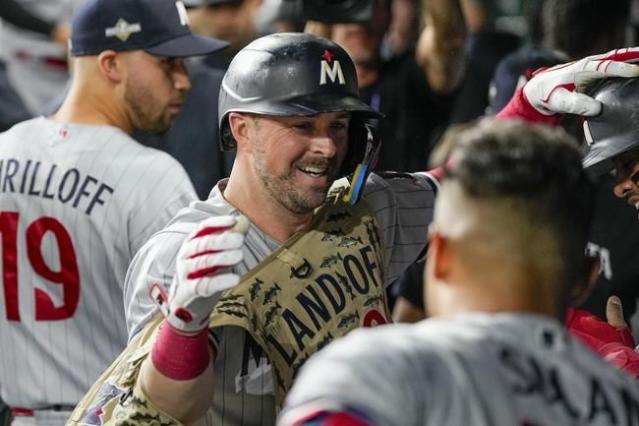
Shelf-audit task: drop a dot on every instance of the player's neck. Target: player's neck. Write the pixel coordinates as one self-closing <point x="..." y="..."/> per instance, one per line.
<point x="502" y="296"/>
<point x="269" y="216"/>
<point x="93" y="108"/>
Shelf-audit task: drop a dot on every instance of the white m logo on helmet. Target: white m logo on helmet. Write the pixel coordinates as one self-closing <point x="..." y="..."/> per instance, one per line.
<point x="333" y="71"/>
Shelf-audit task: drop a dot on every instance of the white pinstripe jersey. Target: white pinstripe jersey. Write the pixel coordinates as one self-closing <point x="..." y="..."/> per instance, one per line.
<point x="244" y="389"/>
<point x="76" y="203"/>
<point x="479" y="369"/>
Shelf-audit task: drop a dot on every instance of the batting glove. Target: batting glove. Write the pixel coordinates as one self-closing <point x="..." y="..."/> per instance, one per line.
<point x="551" y="90"/>
<point x="202" y="272"/>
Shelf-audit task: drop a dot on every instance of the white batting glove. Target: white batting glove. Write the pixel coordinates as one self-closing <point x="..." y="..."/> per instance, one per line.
<point x="202" y="272"/>
<point x="551" y="90"/>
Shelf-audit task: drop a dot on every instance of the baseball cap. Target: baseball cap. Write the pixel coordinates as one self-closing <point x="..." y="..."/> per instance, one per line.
<point x="159" y="27"/>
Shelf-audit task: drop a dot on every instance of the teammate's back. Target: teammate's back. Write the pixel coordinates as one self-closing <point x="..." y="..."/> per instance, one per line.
<point x="483" y="370"/>
<point x="74" y="209"/>
<point x="78" y="198"/>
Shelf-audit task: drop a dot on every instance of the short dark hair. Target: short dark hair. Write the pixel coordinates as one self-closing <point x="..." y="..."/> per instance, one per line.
<point x="584" y="27"/>
<point x="539" y="168"/>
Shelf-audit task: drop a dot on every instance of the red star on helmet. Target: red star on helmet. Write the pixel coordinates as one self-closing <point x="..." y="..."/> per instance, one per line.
<point x="328" y="56"/>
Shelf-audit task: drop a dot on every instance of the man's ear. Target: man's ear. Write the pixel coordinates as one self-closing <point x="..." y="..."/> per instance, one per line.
<point x="240" y="128"/>
<point x="439" y="253"/>
<point x="584" y="286"/>
<point x="111" y="66"/>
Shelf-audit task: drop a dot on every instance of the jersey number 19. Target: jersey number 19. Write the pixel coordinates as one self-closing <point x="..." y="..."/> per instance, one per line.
<point x="68" y="276"/>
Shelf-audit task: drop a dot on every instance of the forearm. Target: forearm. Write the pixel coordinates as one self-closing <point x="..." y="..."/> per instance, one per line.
<point x="440" y="49"/>
<point x="178" y="377"/>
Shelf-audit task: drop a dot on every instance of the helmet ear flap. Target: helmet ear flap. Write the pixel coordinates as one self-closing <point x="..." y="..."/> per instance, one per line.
<point x="365" y="161"/>
<point x="363" y="140"/>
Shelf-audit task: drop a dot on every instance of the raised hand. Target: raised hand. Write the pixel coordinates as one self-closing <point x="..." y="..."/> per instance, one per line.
<point x="203" y="272"/>
<point x="552" y="90"/>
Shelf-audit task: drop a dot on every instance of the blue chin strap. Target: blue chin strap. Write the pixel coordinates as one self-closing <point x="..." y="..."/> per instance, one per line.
<point x="363" y="169"/>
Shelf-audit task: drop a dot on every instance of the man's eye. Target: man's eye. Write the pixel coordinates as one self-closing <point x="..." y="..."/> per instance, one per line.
<point x="303" y="126"/>
<point x="168" y="63"/>
<point x="339" y="125"/>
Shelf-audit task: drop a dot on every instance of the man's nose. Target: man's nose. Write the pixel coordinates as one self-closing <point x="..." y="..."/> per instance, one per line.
<point x="623" y="187"/>
<point x="324" y="145"/>
<point x="181" y="78"/>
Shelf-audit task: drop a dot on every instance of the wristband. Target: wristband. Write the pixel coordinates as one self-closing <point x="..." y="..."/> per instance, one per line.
<point x="178" y="356"/>
<point x="520" y="107"/>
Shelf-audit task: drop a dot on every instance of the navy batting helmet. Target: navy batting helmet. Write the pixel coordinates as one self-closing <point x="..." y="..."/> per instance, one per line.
<point x="289" y="74"/>
<point x="615" y="130"/>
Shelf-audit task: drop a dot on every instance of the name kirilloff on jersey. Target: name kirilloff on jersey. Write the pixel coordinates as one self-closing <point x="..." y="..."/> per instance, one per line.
<point x="49" y="181"/>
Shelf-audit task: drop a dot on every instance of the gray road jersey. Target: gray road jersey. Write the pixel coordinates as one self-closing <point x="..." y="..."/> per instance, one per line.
<point x="403" y="207"/>
<point x="479" y="369"/>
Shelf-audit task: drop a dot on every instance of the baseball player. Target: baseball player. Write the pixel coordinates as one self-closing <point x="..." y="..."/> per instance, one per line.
<point x="271" y="264"/>
<point x="610" y="82"/>
<point x="506" y="249"/>
<point x="609" y="126"/>
<point x="79" y="197"/>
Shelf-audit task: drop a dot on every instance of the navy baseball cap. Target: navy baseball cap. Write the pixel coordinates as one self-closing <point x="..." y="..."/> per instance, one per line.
<point x="159" y="27"/>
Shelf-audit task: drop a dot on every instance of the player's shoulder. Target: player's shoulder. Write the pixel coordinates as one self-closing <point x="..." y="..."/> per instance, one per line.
<point x="383" y="343"/>
<point x="400" y="183"/>
<point x="30" y="126"/>
<point x="433" y="338"/>
<point x="143" y="154"/>
<point x="190" y="216"/>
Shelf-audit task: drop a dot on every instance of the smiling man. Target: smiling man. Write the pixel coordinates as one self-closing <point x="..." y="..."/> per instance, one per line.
<point x="310" y="264"/>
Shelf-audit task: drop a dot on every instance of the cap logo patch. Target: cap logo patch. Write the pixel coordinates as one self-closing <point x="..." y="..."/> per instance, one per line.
<point x="331" y="69"/>
<point x="122" y="30"/>
<point x="184" y="17"/>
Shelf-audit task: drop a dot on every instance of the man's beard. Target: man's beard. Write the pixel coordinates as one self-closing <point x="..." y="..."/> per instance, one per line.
<point x="284" y="190"/>
<point x="145" y="119"/>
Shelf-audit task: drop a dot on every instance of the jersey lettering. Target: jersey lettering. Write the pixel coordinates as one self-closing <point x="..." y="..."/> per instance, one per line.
<point x="68" y="276"/>
<point x="69" y="186"/>
<point x="530" y="377"/>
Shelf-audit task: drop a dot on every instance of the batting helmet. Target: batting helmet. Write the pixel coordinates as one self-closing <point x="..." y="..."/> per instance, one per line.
<point x="615" y="130"/>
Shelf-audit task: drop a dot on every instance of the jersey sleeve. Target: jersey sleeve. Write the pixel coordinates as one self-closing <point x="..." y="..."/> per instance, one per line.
<point x="158" y="200"/>
<point x="154" y="263"/>
<point x="403" y="205"/>
<point x="355" y="376"/>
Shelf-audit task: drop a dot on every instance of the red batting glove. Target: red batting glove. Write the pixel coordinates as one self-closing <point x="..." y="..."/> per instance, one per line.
<point x="551" y="91"/>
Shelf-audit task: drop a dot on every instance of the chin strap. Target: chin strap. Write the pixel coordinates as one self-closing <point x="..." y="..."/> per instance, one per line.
<point x="358" y="180"/>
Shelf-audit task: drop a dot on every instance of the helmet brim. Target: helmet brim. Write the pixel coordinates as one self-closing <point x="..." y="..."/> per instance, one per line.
<point x="601" y="157"/>
<point x="311" y="105"/>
